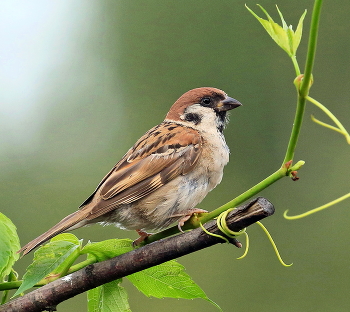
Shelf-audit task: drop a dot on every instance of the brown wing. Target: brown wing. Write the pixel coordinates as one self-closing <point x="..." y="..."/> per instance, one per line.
<point x="163" y="153"/>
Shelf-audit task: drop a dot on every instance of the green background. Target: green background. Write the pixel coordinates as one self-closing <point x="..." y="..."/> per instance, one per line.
<point x="81" y="81"/>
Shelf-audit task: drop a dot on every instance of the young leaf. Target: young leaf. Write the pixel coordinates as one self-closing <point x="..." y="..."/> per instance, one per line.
<point x="9" y="244"/>
<point x="63" y="268"/>
<point x="108" y="249"/>
<point x="67" y="263"/>
<point x="46" y="260"/>
<point x="110" y="297"/>
<point x="298" y="33"/>
<point x="67" y="237"/>
<point x="284" y="36"/>
<point x="168" y="280"/>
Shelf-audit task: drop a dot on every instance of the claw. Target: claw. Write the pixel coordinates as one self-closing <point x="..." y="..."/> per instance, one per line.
<point x="187" y="216"/>
<point x="143" y="236"/>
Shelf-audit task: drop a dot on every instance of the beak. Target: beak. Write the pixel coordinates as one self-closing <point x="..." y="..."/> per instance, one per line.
<point x="227" y="104"/>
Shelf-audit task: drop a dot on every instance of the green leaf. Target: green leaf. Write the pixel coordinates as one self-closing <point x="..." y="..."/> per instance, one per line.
<point x="62" y="269"/>
<point x="277" y="33"/>
<point x="284" y="24"/>
<point x="110" y="297"/>
<point x="46" y="260"/>
<point x="299" y="32"/>
<point x="67" y="237"/>
<point x="168" y="280"/>
<point x="9" y="244"/>
<point x="108" y="249"/>
<point x="284" y="36"/>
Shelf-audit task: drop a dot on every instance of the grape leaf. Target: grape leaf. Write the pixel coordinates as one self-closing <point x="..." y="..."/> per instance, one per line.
<point x="67" y="237"/>
<point x="108" y="249"/>
<point x="110" y="297"/>
<point x="168" y="280"/>
<point x="9" y="244"/>
<point x="47" y="259"/>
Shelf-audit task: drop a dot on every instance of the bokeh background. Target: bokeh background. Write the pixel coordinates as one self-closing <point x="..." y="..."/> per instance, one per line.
<point x="81" y="81"/>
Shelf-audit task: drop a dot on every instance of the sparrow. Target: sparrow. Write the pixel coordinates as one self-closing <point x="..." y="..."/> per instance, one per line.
<point x="168" y="171"/>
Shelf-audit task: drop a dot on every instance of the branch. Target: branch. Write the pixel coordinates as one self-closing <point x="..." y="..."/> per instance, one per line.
<point x="48" y="296"/>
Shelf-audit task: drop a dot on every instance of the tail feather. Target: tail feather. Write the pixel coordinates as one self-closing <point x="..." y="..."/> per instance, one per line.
<point x="62" y="226"/>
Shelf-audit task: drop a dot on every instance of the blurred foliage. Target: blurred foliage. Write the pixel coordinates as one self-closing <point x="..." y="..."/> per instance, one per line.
<point x="82" y="81"/>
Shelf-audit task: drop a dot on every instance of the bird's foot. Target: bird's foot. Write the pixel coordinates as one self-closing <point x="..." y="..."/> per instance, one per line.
<point x="187" y="216"/>
<point x="143" y="236"/>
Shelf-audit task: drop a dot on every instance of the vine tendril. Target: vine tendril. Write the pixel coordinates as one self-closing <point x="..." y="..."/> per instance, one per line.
<point x="222" y="225"/>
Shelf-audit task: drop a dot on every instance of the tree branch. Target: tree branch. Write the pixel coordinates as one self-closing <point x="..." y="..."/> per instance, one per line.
<point x="48" y="296"/>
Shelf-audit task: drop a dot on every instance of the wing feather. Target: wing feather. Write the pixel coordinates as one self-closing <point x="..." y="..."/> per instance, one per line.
<point x="163" y="153"/>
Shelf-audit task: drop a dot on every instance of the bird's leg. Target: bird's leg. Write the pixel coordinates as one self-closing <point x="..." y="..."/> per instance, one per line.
<point x="187" y="216"/>
<point x="184" y="217"/>
<point x="143" y="236"/>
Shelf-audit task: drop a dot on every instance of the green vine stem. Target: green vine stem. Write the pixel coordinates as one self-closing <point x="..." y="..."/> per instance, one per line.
<point x="304" y="90"/>
<point x="306" y="82"/>
<point x="279" y="174"/>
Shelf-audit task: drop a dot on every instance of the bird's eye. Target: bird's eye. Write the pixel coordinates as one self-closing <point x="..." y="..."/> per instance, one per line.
<point x="206" y="101"/>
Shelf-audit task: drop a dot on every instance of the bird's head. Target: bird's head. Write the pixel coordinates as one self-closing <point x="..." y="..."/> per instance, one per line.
<point x="202" y="107"/>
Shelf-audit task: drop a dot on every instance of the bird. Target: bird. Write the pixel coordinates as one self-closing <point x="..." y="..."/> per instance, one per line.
<point x="167" y="172"/>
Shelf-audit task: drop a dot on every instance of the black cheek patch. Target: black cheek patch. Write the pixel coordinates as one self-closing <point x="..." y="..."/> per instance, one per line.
<point x="195" y="118"/>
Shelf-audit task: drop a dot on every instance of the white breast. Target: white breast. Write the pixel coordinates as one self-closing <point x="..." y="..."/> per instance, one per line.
<point x="215" y="156"/>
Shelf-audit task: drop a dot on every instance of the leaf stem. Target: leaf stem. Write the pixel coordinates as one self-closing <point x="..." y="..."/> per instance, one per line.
<point x="16" y="284"/>
<point x="12" y="277"/>
<point x="81" y="265"/>
<point x="296" y="65"/>
<point x="10" y="285"/>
